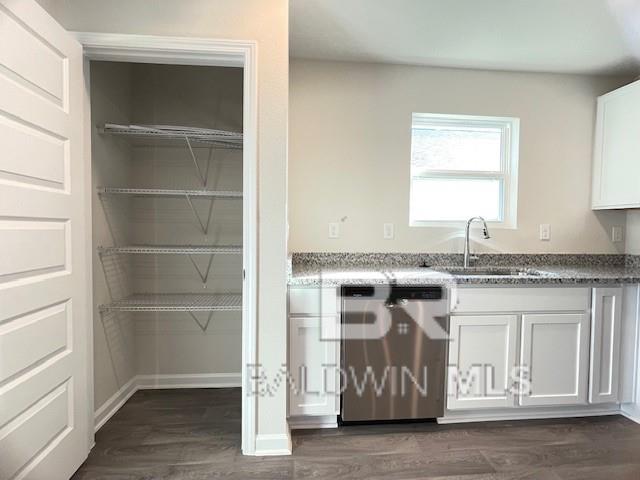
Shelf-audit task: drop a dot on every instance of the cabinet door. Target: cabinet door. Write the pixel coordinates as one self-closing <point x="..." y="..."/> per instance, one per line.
<point x="313" y="365"/>
<point x="554" y="359"/>
<point x="482" y="359"/>
<point x="616" y="166"/>
<point x="606" y="318"/>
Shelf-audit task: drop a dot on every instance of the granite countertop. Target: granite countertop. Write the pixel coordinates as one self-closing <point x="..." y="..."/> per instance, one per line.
<point x="310" y="269"/>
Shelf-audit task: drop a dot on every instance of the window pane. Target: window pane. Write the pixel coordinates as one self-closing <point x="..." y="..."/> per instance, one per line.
<point x="434" y="199"/>
<point x="455" y="148"/>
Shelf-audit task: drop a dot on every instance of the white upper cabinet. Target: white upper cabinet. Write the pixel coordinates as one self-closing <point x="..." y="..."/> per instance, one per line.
<point x="616" y="164"/>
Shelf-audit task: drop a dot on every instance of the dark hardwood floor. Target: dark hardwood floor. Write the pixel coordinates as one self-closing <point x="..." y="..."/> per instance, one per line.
<point x="195" y="435"/>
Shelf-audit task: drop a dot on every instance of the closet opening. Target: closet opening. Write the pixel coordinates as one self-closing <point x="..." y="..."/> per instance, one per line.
<point x="168" y="255"/>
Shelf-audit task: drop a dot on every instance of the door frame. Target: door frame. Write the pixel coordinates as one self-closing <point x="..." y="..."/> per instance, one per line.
<point x="211" y="52"/>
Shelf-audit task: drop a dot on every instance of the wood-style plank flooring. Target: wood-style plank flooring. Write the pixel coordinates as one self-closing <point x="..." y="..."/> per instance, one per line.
<point x="195" y="435"/>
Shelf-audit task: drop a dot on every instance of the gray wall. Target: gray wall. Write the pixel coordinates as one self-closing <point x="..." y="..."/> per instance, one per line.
<point x="163" y="343"/>
<point x="633" y="232"/>
<point x="208" y="97"/>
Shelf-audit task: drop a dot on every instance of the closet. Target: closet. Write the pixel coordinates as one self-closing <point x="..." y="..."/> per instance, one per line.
<point x="167" y="228"/>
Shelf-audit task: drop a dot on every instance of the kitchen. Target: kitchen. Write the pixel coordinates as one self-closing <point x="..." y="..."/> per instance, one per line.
<point x="318" y="238"/>
<point x="553" y="288"/>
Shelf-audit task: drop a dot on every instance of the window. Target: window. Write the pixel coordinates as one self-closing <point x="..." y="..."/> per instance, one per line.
<point x="462" y="167"/>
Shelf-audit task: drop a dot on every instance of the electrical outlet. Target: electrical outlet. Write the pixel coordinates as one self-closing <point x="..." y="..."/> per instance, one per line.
<point x="387" y="231"/>
<point x="545" y="232"/>
<point x="334" y="230"/>
<point x="617" y="234"/>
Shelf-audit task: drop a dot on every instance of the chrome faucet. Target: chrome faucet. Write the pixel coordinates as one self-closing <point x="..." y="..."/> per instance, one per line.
<point x="485" y="232"/>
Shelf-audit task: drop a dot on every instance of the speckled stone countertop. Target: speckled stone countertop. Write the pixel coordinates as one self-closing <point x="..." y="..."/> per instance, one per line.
<point x="331" y="269"/>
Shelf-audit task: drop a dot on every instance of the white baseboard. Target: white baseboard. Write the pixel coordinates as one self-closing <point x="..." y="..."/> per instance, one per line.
<point x="151" y="382"/>
<point x="323" y="421"/>
<point x="114" y="403"/>
<point x="528" y="414"/>
<point x="273" y="444"/>
<point x="631" y="411"/>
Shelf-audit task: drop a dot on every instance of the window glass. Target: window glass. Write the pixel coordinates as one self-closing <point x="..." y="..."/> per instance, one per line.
<point x="456" y="149"/>
<point x="463" y="166"/>
<point x="455" y="199"/>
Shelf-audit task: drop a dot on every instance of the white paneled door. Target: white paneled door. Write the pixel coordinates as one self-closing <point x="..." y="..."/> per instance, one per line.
<point x="43" y="267"/>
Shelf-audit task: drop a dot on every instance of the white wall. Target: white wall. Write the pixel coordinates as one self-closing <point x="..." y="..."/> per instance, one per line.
<point x="265" y="21"/>
<point x="633" y="232"/>
<point x="350" y="148"/>
<point x="113" y="333"/>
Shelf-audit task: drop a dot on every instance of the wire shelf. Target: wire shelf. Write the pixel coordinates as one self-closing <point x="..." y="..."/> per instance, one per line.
<point x="158" y="192"/>
<point x="207" y="136"/>
<point x="174" y="249"/>
<point x="176" y="303"/>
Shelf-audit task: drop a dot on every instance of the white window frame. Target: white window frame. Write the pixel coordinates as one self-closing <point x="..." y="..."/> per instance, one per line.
<point x="508" y="174"/>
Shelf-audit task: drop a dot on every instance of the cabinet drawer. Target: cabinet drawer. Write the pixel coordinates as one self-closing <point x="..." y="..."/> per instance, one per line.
<point x="313" y="301"/>
<point x="510" y="299"/>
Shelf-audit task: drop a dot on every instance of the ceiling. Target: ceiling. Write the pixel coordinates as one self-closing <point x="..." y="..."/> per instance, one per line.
<point x="568" y="36"/>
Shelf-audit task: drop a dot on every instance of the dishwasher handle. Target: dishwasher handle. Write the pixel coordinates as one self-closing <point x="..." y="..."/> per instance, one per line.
<point x="394" y="303"/>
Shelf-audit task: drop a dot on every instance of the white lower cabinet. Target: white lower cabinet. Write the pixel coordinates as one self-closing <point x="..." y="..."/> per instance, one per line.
<point x="314" y="351"/>
<point x="533" y="347"/>
<point x="540" y="347"/>
<point x="606" y="327"/>
<point x="482" y="358"/>
<point x="313" y="366"/>
<point x="554" y="359"/>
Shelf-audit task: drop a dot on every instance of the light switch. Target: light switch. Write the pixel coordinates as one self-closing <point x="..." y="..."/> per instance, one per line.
<point x="334" y="230"/>
<point x="387" y="231"/>
<point x="545" y="232"/>
<point x="617" y="234"/>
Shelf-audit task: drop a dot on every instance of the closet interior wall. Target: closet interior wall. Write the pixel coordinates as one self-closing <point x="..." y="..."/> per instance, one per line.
<point x="111" y="162"/>
<point x="167" y="347"/>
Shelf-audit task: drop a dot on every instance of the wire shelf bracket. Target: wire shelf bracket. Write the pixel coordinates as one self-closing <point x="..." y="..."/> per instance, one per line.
<point x="202" y="324"/>
<point x="204" y="275"/>
<point x="203" y="175"/>
<point x="204" y="225"/>
<point x="212" y="138"/>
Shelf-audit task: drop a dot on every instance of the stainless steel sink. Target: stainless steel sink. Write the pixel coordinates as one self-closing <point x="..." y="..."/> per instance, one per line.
<point x="489" y="271"/>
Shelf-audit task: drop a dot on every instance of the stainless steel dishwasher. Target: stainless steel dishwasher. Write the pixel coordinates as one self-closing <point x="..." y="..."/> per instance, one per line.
<point x="394" y="346"/>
